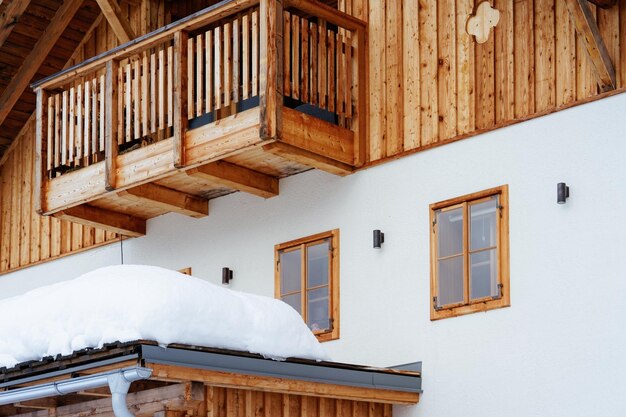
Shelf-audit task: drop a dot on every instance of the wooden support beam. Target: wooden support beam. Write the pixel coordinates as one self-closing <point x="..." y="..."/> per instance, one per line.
<point x="271" y="64"/>
<point x="168" y="199"/>
<point x="37" y="56"/>
<point x="605" y="4"/>
<point x="38" y="404"/>
<point x="180" y="97"/>
<point x="40" y="149"/>
<point x="120" y="25"/>
<point x="587" y="28"/>
<point x="308" y="158"/>
<point x="111" y="221"/>
<point x="110" y="125"/>
<point x="237" y="177"/>
<point x="10" y="17"/>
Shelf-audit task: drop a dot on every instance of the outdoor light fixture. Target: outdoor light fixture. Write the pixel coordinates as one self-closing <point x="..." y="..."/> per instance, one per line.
<point x="227" y="275"/>
<point x="562" y="193"/>
<point x="379" y="239"/>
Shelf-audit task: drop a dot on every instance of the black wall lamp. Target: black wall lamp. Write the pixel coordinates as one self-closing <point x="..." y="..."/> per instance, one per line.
<point x="379" y="239"/>
<point x="562" y="193"/>
<point x="227" y="275"/>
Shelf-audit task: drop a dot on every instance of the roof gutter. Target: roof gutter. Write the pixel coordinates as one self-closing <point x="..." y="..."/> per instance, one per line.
<point x="118" y="382"/>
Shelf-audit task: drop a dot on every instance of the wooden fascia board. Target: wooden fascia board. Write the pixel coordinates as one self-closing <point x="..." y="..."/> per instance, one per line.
<point x="10" y="17"/>
<point x="168" y="199"/>
<point x="37" y="56"/>
<point x="237" y="177"/>
<point x="112" y="221"/>
<point x="587" y="28"/>
<point x="175" y="373"/>
<point x="120" y="25"/>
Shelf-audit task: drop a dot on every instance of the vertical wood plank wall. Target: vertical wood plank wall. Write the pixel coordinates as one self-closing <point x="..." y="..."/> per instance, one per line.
<point x="430" y="82"/>
<point x="25" y="237"/>
<point x="229" y="402"/>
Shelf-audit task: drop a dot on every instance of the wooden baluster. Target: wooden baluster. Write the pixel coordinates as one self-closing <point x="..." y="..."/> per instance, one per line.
<point x="87" y="139"/>
<point x="136" y="101"/>
<point x="341" y="76"/>
<point x="120" y="105"/>
<point x="71" y="126"/>
<point x="180" y="97"/>
<point x="331" y="70"/>
<point x="64" y="136"/>
<point x="295" y="57"/>
<point x="350" y="74"/>
<point x="79" y="124"/>
<point x="314" y="63"/>
<point x="255" y="53"/>
<point x="170" y="86"/>
<point x="144" y="94"/>
<point x="322" y="50"/>
<point x="287" y="53"/>
<point x="57" y="131"/>
<point x="227" y="64"/>
<point x="43" y="140"/>
<point x="161" y="110"/>
<point x="153" y="94"/>
<point x="208" y="70"/>
<point x="304" y="60"/>
<point x="236" y="61"/>
<point x="218" y="68"/>
<point x="199" y="73"/>
<point x="190" y="79"/>
<point x="50" y="133"/>
<point x="245" y="52"/>
<point x="128" y="121"/>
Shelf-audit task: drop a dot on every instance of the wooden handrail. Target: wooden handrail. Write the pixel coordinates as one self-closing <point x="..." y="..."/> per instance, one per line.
<point x="327" y="13"/>
<point x="203" y="17"/>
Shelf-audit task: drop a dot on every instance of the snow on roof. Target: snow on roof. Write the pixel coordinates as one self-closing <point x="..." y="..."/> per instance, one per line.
<point x="135" y="302"/>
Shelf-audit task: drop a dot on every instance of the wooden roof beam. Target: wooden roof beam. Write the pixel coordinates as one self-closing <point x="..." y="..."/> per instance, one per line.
<point x="120" y="25"/>
<point x="10" y="17"/>
<point x="112" y="221"/>
<point x="237" y="177"/>
<point x="37" y="56"/>
<point x="168" y="199"/>
<point x="587" y="28"/>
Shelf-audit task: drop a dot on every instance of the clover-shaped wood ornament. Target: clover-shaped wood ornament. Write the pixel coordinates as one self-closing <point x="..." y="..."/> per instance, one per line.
<point x="480" y="24"/>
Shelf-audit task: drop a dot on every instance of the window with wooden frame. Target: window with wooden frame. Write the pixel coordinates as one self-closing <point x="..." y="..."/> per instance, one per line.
<point x="469" y="249"/>
<point x="307" y="278"/>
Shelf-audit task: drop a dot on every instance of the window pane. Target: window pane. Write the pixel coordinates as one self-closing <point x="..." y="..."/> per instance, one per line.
<point x="294" y="301"/>
<point x="450" y="281"/>
<point x="484" y="282"/>
<point x="450" y="232"/>
<point x="483" y="225"/>
<point x="317" y="258"/>
<point x="290" y="271"/>
<point x="318" y="309"/>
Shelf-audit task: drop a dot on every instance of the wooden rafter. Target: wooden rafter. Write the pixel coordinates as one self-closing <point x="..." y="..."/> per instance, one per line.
<point x="168" y="199"/>
<point x="237" y="177"/>
<point x="111" y="221"/>
<point x="10" y="17"/>
<point x="37" y="56"/>
<point x="605" y="4"/>
<point x="120" y="25"/>
<point x="587" y="28"/>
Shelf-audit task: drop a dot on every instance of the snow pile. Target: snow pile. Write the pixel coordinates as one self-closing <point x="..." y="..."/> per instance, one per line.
<point x="132" y="302"/>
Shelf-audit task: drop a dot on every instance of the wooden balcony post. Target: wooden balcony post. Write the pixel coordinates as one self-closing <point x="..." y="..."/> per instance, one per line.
<point x="41" y="150"/>
<point x="271" y="68"/>
<point x="180" y="97"/>
<point x="110" y="128"/>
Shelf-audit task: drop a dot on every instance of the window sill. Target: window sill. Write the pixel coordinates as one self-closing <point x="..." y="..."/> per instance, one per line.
<point x="462" y="310"/>
<point x="327" y="337"/>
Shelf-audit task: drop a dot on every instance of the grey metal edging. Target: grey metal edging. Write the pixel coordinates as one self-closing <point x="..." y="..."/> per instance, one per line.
<point x="288" y="370"/>
<point x="70" y="370"/>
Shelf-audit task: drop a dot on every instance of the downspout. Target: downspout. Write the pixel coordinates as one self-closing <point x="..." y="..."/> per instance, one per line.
<point x="118" y="382"/>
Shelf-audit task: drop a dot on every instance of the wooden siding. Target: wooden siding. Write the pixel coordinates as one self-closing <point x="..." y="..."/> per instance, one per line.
<point x="431" y="83"/>
<point x="25" y="237"/>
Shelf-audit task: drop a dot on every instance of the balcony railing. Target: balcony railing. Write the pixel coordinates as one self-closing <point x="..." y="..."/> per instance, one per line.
<point x="227" y="79"/>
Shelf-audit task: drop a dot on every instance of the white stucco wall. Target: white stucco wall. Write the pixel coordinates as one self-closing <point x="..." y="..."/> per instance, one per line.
<point x="559" y="350"/>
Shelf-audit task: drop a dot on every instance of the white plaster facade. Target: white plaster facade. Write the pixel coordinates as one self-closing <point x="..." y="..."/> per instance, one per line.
<point x="559" y="350"/>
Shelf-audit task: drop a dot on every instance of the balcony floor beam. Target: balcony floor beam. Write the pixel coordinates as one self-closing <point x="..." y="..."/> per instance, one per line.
<point x="237" y="177"/>
<point x="111" y="221"/>
<point x="167" y="199"/>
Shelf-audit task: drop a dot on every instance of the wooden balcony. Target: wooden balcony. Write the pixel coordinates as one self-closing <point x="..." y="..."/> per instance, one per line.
<point x="231" y="98"/>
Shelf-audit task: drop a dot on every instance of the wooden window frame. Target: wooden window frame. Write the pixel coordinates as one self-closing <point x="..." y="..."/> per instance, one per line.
<point x="333" y="278"/>
<point x="502" y="225"/>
